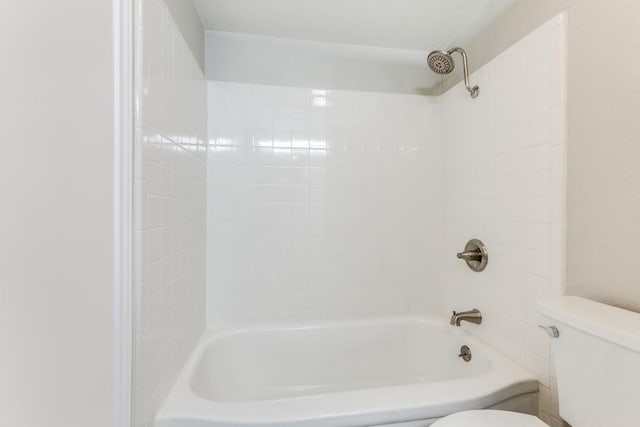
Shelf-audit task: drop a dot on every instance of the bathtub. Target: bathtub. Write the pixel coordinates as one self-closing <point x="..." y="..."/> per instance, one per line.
<point x="400" y="372"/>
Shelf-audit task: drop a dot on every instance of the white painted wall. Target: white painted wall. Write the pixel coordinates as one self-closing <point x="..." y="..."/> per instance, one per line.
<point x="401" y="24"/>
<point x="322" y="205"/>
<point x="247" y="58"/>
<point x="56" y="221"/>
<point x="170" y="204"/>
<point x="504" y="182"/>
<point x="186" y="17"/>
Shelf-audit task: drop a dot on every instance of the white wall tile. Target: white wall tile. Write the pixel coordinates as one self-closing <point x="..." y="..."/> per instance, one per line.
<point x="170" y="173"/>
<point x="523" y="149"/>
<point x="332" y="211"/>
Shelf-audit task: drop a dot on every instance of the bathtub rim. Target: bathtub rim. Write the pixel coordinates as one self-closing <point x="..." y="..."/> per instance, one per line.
<point x="377" y="405"/>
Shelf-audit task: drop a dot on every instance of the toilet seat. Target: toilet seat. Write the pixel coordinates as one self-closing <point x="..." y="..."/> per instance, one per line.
<point x="489" y="418"/>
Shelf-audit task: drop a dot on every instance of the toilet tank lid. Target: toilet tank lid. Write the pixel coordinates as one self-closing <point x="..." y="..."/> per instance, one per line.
<point x="607" y="322"/>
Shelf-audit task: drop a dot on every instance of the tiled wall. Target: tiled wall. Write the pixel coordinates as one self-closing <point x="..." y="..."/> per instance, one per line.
<point x="322" y="205"/>
<point x="170" y="172"/>
<point x="504" y="183"/>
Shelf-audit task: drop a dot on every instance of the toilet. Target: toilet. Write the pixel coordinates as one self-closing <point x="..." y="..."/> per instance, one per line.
<point x="596" y="352"/>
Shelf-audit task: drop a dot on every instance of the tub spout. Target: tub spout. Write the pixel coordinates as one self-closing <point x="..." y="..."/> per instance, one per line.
<point x="473" y="316"/>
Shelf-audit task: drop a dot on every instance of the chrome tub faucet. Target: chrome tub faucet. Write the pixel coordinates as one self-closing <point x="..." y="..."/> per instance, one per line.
<point x="472" y="316"/>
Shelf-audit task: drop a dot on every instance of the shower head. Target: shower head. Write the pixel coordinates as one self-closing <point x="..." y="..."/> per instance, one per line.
<point x="441" y="62"/>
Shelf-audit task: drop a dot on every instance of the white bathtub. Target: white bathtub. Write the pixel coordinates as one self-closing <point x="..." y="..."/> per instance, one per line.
<point x="367" y="373"/>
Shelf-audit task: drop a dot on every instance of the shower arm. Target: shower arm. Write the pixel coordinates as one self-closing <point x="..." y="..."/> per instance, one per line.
<point x="465" y="65"/>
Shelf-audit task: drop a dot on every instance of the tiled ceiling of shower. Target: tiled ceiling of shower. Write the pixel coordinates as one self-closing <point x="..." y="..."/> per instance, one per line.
<point x="400" y="24"/>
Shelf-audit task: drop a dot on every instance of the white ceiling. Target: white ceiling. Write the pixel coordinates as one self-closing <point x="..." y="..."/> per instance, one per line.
<point x="405" y="24"/>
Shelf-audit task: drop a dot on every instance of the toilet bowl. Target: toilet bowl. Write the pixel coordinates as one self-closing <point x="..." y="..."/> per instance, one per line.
<point x="596" y="352"/>
<point x="489" y="418"/>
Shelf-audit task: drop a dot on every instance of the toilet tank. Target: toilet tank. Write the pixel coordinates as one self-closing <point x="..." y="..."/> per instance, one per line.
<point x="597" y="362"/>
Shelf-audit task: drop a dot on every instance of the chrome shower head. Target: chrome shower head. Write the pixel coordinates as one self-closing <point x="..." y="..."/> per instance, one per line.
<point x="441" y="62"/>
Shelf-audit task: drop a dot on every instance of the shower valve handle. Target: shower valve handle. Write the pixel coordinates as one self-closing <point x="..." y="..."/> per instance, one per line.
<point x="475" y="255"/>
<point x="469" y="255"/>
